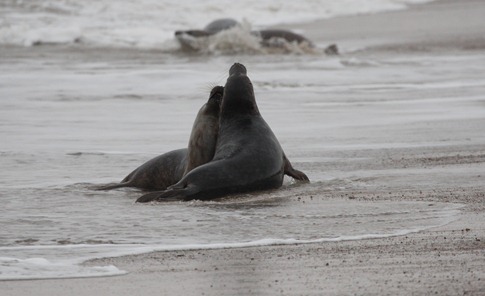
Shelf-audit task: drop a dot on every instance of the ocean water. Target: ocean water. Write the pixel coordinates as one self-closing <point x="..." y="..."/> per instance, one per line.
<point x="151" y="23"/>
<point x="73" y="116"/>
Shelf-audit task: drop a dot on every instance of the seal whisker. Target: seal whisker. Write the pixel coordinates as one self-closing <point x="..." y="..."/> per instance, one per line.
<point x="207" y="87"/>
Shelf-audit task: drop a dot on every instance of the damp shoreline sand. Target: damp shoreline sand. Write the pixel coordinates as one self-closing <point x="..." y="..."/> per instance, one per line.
<point x="448" y="260"/>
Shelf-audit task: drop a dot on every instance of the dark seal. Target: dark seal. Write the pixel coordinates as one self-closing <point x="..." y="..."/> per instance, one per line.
<point x="248" y="156"/>
<point x="167" y="169"/>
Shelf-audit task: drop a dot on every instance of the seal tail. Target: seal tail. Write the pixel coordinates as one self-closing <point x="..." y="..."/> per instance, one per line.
<point x="113" y="186"/>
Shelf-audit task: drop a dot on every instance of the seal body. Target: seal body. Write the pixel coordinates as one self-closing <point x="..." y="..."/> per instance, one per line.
<point x="247" y="157"/>
<point x="156" y="174"/>
<point x="167" y="169"/>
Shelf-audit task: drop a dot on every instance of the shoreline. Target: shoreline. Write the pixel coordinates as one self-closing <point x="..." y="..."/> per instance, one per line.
<point x="437" y="25"/>
<point x="446" y="260"/>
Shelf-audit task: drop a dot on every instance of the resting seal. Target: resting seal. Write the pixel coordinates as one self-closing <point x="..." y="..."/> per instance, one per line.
<point x="247" y="157"/>
<point x="167" y="169"/>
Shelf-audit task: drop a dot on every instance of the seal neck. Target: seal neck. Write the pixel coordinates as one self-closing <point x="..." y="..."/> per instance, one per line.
<point x="238" y="97"/>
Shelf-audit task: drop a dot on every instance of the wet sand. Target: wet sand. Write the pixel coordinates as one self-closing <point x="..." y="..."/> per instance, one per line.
<point x="449" y="260"/>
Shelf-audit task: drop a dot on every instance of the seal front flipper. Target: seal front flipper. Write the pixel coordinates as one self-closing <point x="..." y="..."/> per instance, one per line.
<point x="167" y="195"/>
<point x="294" y="173"/>
<point x="171" y="194"/>
<point x="149" y="197"/>
<point x="297" y="175"/>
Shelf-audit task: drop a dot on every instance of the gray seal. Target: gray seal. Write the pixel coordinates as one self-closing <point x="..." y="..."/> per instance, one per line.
<point x="248" y="156"/>
<point x="267" y="38"/>
<point x="167" y="169"/>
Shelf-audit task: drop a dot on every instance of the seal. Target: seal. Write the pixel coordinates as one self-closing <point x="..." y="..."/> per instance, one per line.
<point x="167" y="169"/>
<point x="248" y="156"/>
<point x="194" y="39"/>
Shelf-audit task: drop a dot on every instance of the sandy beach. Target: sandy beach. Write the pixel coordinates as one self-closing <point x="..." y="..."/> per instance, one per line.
<point x="448" y="260"/>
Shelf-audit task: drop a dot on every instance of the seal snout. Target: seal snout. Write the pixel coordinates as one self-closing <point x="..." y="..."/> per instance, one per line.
<point x="237" y="69"/>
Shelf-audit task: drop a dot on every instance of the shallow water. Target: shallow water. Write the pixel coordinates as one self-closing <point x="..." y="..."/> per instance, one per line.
<point x="68" y="122"/>
<point x="53" y="241"/>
